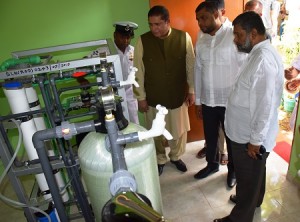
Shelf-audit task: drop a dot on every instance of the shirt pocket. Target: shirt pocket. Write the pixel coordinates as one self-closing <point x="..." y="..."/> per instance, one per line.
<point x="240" y="96"/>
<point x="203" y="53"/>
<point x="222" y="56"/>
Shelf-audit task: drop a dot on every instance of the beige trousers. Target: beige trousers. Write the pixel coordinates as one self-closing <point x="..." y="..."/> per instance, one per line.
<point x="177" y="148"/>
<point x="177" y="123"/>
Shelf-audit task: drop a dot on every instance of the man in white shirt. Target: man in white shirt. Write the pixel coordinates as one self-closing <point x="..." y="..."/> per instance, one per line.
<point x="216" y="66"/>
<point x="251" y="118"/>
<point x="122" y="37"/>
<point x="222" y="149"/>
<point x="124" y="32"/>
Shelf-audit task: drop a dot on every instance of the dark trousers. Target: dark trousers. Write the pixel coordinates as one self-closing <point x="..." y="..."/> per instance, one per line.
<point x="251" y="183"/>
<point x="213" y="117"/>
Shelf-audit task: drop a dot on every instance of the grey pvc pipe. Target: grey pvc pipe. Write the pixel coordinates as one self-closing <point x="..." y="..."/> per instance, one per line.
<point x="38" y="139"/>
<point x="117" y="152"/>
<point x="128" y="138"/>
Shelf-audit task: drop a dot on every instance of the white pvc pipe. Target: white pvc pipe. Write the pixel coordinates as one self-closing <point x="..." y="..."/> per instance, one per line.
<point x="18" y="104"/>
<point x="39" y="121"/>
<point x="31" y="98"/>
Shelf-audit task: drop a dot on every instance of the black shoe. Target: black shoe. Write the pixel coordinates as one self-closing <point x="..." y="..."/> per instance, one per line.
<point x="202" y="153"/>
<point x="205" y="172"/>
<point x="160" y="168"/>
<point x="180" y="165"/>
<point x="232" y="198"/>
<point x="231" y="180"/>
<point x="224" y="219"/>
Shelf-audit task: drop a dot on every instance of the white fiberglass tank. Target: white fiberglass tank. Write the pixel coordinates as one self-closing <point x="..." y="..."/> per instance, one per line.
<point x="96" y="165"/>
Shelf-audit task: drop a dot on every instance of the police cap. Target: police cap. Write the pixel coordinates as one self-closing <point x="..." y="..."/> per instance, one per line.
<point x="125" y="27"/>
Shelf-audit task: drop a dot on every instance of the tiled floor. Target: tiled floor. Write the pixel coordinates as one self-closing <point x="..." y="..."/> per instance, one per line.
<point x="187" y="200"/>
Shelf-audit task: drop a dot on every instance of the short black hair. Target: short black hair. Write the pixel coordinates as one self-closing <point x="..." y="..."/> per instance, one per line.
<point x="250" y="20"/>
<point x="159" y="10"/>
<point x="220" y="3"/>
<point x="208" y="5"/>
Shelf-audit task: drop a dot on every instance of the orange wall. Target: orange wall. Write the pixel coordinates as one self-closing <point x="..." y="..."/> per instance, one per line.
<point x="182" y="13"/>
<point x="182" y="16"/>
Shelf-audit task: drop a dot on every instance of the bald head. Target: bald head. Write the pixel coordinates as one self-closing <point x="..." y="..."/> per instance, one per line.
<point x="255" y="6"/>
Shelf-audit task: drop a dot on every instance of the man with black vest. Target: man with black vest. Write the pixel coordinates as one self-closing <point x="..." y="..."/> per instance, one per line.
<point x="165" y="59"/>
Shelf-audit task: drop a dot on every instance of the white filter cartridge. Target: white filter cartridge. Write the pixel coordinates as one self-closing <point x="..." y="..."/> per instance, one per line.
<point x="18" y="103"/>
<point x="28" y="129"/>
<point x="39" y="121"/>
<point x="34" y="104"/>
<point x="17" y="99"/>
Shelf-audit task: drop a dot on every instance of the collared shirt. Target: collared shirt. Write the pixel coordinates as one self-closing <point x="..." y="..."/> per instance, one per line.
<point x="216" y="67"/>
<point x="138" y="62"/>
<point x="226" y="23"/>
<point x="252" y="111"/>
<point x="126" y="59"/>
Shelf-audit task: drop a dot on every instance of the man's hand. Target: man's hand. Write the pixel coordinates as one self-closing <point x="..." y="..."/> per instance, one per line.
<point x="143" y="106"/>
<point x="199" y="111"/>
<point x="190" y="99"/>
<point x="291" y="73"/>
<point x="252" y="150"/>
<point x="292" y="85"/>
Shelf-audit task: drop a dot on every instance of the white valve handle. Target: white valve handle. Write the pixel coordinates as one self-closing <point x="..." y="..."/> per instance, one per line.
<point x="131" y="78"/>
<point x="158" y="126"/>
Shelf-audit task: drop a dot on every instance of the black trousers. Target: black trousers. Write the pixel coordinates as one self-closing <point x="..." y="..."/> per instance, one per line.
<point x="213" y="117"/>
<point x="251" y="183"/>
